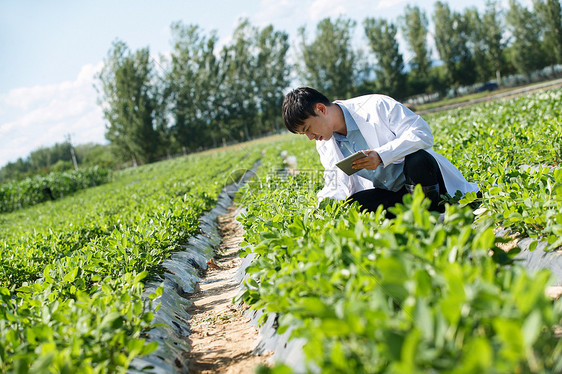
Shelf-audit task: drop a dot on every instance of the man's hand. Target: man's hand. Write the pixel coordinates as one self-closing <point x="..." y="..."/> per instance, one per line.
<point x="371" y="162"/>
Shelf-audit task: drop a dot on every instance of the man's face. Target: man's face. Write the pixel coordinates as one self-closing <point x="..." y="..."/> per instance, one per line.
<point x="316" y="127"/>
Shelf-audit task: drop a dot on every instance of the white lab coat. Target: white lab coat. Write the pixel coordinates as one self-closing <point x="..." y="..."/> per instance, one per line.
<point x="393" y="131"/>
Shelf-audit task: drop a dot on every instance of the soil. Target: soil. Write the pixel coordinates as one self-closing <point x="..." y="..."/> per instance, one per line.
<point x="222" y="341"/>
<point x="508" y="246"/>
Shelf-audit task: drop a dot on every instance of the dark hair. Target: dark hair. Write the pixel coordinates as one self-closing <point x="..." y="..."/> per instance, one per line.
<point x="299" y="104"/>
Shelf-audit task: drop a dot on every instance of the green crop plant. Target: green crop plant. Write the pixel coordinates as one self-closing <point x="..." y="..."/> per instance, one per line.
<point x="513" y="150"/>
<point x="32" y="191"/>
<point x="73" y="270"/>
<point x="417" y="293"/>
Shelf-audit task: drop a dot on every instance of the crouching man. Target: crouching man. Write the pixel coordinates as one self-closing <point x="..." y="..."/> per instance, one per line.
<point x="397" y="143"/>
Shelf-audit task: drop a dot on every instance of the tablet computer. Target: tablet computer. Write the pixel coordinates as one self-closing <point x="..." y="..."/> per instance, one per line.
<point x="345" y="164"/>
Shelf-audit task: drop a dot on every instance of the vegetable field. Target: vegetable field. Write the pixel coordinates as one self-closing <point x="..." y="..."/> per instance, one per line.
<point x="367" y="293"/>
<point x="72" y="269"/>
<point x="416" y="293"/>
<point x="32" y="191"/>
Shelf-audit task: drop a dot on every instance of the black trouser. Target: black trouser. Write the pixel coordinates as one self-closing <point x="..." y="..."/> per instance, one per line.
<point x="419" y="168"/>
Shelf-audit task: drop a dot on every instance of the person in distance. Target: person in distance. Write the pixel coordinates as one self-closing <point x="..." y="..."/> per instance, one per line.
<point x="396" y="141"/>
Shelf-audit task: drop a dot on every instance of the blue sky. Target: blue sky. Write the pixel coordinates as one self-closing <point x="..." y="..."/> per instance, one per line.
<point x="50" y="52"/>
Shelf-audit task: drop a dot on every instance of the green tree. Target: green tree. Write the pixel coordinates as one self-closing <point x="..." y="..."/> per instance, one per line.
<point x="91" y="154"/>
<point x="272" y="75"/>
<point x="210" y="78"/>
<point x="239" y="95"/>
<point x="234" y="93"/>
<point x="550" y="16"/>
<point x="191" y="86"/>
<point x="161" y="120"/>
<point x="524" y="25"/>
<point x="130" y="103"/>
<point x="477" y="43"/>
<point x="16" y="170"/>
<point x="451" y="41"/>
<point x="328" y="62"/>
<point x="43" y="158"/>
<point x="390" y="78"/>
<point x="414" y="25"/>
<point x="493" y="38"/>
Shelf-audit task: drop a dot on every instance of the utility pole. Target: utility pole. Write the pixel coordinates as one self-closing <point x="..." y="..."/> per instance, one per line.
<point x="72" y="152"/>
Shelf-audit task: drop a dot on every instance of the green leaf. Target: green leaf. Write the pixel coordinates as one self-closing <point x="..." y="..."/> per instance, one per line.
<point x="252" y="282"/>
<point x="468" y="198"/>
<point x="410" y="351"/>
<point x="140" y="276"/>
<point x="337" y="356"/>
<point x="333" y="327"/>
<point x="423" y="283"/>
<point x="111" y="321"/>
<point x="359" y="228"/>
<point x="71" y="276"/>
<point x="149" y="348"/>
<point x="511" y="339"/>
<point x="135" y="346"/>
<point x="477" y="357"/>
<point x="531" y="328"/>
<point x="484" y="240"/>
<point x="424" y="319"/>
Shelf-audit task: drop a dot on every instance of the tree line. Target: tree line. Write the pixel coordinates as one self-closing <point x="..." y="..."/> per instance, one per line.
<point x="203" y="95"/>
<point x="58" y="158"/>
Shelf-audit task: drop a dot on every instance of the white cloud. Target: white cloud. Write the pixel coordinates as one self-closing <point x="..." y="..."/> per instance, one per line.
<point x="44" y="115"/>
<point x="387" y="4"/>
<point x="24" y="97"/>
<point x="273" y="11"/>
<point x="321" y="9"/>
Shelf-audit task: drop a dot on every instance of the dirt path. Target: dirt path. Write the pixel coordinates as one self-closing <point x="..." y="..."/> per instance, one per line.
<point x="221" y="339"/>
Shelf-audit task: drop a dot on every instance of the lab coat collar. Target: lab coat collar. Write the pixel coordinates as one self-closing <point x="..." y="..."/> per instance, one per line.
<point x="361" y="117"/>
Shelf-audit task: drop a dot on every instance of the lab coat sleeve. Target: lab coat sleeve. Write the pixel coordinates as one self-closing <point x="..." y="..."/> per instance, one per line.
<point x="336" y="182"/>
<point x="334" y="186"/>
<point x="411" y="131"/>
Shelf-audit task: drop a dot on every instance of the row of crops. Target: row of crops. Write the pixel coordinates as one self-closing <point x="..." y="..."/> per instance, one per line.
<point x="368" y="294"/>
<point x="38" y="189"/>
<point x="416" y="293"/>
<point x="73" y="270"/>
